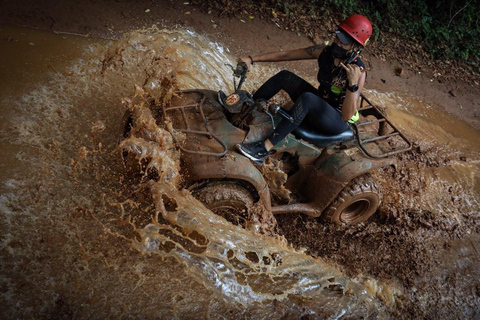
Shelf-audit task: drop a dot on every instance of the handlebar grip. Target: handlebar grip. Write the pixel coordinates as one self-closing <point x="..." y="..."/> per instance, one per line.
<point x="283" y="113"/>
<point x="241" y="69"/>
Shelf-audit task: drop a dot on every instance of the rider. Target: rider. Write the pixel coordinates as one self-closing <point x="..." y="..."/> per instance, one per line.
<point x="341" y="76"/>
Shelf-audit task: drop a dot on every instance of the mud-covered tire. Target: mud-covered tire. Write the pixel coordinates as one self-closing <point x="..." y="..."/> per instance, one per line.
<point x="227" y="199"/>
<point x="355" y="203"/>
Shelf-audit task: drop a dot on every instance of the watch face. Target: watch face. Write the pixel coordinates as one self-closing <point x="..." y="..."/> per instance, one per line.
<point x="353" y="88"/>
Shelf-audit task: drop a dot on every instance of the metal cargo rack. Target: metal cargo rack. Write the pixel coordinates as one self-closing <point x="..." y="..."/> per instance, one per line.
<point x="369" y="109"/>
<point x="184" y="109"/>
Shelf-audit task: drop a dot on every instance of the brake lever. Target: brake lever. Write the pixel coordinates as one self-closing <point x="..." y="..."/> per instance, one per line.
<point x="231" y="67"/>
<point x="271" y="118"/>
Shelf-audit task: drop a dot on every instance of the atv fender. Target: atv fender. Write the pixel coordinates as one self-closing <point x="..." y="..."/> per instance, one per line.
<point x="331" y="173"/>
<point x="338" y="171"/>
<point x="232" y="166"/>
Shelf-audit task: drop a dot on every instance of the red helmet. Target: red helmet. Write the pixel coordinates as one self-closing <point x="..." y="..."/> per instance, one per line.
<point x="357" y="26"/>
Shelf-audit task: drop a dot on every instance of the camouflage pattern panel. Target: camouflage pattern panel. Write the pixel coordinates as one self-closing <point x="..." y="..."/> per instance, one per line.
<point x="307" y="153"/>
<point x="232" y="166"/>
<point x="335" y="168"/>
<point x="260" y="127"/>
<point x="227" y="132"/>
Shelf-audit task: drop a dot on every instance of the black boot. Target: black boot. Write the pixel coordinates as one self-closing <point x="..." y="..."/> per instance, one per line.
<point x="254" y="151"/>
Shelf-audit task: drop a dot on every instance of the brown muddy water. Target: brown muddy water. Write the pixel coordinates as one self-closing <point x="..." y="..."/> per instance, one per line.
<point x="78" y="240"/>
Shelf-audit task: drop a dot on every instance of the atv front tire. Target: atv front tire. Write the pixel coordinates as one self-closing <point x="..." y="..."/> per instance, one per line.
<point x="355" y="203"/>
<point x="227" y="199"/>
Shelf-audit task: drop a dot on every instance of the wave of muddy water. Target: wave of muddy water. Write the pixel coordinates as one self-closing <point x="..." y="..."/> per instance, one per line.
<point x="80" y="240"/>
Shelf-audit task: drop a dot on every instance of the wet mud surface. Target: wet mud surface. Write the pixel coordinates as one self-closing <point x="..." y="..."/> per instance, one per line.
<point x="82" y="237"/>
<point x="80" y="240"/>
<point x="424" y="240"/>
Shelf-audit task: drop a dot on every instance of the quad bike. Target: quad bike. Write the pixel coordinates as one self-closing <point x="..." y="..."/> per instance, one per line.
<point x="308" y="173"/>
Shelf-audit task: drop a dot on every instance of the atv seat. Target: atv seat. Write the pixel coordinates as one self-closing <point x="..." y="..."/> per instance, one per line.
<point x="307" y="132"/>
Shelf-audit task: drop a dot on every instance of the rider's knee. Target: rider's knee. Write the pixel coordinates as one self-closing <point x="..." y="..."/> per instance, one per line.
<point x="284" y="73"/>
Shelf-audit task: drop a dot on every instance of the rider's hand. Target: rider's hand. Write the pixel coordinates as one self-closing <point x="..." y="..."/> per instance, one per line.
<point x="354" y="72"/>
<point x="247" y="61"/>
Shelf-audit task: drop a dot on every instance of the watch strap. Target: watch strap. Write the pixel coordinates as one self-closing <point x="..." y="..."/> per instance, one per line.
<point x="353" y="88"/>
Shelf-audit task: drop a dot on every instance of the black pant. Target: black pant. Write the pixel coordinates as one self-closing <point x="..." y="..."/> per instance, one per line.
<point x="325" y="118"/>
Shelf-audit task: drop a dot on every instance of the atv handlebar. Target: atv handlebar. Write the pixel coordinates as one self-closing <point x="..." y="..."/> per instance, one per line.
<point x="241" y="72"/>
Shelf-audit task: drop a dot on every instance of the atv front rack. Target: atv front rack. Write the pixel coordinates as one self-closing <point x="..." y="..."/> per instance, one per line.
<point x="369" y="109"/>
<point x="183" y="109"/>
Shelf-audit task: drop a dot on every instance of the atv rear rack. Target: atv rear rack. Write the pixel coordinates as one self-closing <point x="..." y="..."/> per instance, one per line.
<point x="207" y="133"/>
<point x="367" y="109"/>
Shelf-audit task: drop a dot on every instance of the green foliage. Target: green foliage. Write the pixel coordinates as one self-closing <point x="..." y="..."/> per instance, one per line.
<point x="448" y="29"/>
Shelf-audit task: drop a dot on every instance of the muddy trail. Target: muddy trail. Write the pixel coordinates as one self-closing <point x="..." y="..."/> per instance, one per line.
<point x="81" y="239"/>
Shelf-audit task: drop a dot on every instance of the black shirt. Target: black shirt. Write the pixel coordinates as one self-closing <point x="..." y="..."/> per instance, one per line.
<point x="332" y="79"/>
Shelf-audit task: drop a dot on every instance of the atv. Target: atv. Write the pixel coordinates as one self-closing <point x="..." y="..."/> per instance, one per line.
<point x="308" y="173"/>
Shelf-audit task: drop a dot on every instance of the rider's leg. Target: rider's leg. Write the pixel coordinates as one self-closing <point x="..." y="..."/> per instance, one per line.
<point x="287" y="81"/>
<point x="319" y="113"/>
<point x="316" y="111"/>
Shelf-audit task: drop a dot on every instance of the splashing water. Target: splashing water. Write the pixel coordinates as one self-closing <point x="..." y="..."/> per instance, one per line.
<point x="80" y="239"/>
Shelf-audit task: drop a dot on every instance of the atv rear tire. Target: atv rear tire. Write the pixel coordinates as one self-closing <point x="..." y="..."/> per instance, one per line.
<point x="355" y="203"/>
<point x="227" y="199"/>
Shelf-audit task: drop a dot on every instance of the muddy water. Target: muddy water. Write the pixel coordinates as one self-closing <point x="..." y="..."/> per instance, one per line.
<point x="79" y="239"/>
<point x="453" y="147"/>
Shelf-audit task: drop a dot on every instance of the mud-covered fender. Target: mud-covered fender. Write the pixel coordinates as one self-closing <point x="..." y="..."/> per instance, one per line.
<point x="335" y="170"/>
<point x="232" y="166"/>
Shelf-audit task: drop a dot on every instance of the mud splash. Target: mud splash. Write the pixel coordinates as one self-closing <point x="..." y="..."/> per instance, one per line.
<point x="426" y="231"/>
<point x="81" y="240"/>
<point x="242" y="266"/>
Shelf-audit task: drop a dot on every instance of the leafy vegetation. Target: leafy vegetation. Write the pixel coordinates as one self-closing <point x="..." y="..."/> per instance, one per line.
<point x="446" y="29"/>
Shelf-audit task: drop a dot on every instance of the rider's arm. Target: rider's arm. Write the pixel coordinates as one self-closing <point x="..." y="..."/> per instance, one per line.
<point x="356" y="75"/>
<point x="297" y="54"/>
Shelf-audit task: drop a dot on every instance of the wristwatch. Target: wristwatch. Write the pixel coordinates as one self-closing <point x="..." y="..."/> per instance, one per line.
<point x="353" y="88"/>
